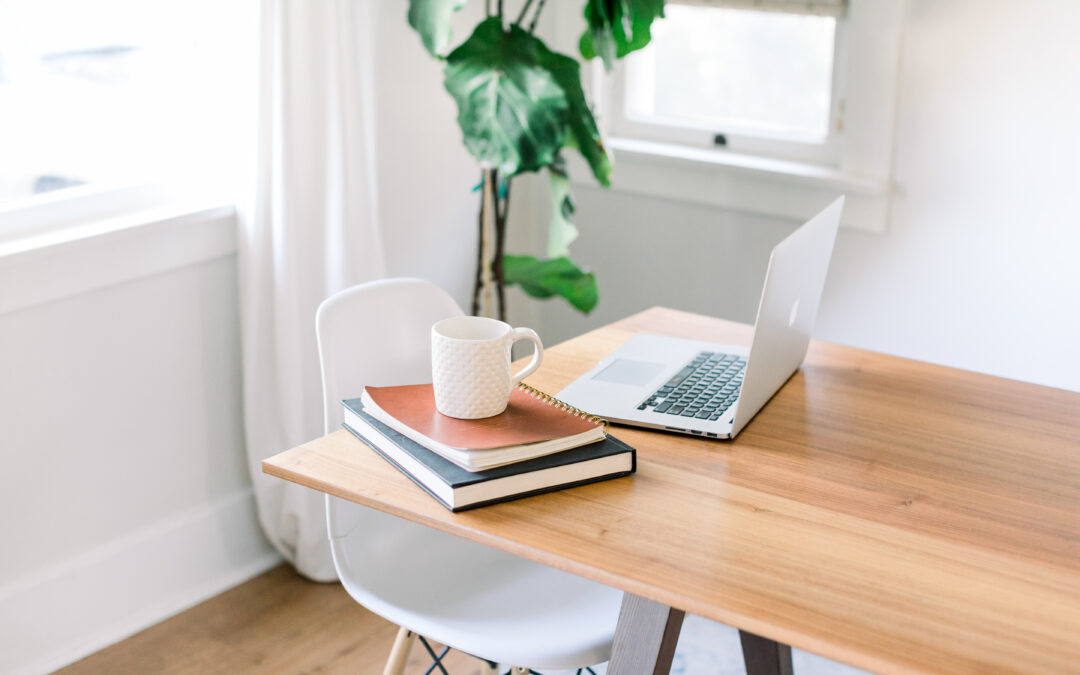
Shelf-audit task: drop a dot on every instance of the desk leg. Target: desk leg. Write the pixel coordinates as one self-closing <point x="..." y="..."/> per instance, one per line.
<point x="645" y="637"/>
<point x="764" y="656"/>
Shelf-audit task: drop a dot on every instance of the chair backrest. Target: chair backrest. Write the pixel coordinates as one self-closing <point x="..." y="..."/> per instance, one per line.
<point x="378" y="333"/>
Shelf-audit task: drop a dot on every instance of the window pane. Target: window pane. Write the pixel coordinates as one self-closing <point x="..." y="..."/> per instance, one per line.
<point x="119" y="91"/>
<point x="732" y="71"/>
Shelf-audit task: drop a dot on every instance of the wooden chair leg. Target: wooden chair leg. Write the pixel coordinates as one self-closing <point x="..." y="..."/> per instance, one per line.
<point x="399" y="653"/>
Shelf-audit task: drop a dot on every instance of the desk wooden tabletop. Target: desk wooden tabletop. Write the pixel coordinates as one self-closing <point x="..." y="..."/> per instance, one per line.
<point x="890" y="514"/>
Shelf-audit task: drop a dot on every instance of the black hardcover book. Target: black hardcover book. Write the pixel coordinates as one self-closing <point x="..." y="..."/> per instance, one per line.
<point x="458" y="489"/>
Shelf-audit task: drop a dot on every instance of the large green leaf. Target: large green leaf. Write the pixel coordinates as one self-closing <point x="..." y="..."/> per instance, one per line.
<point x="511" y="108"/>
<point x="561" y="232"/>
<point x="599" y="37"/>
<point x="431" y="19"/>
<point x="618" y="27"/>
<point x="547" y="278"/>
<point x="584" y="135"/>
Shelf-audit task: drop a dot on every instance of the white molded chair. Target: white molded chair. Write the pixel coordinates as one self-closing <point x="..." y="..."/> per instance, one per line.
<point x="484" y="602"/>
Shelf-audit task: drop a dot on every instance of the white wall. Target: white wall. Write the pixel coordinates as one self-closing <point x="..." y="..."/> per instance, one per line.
<point x="427" y="208"/>
<point x="977" y="268"/>
<point x="125" y="491"/>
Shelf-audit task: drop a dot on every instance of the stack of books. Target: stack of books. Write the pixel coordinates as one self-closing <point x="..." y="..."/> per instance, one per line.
<point x="538" y="444"/>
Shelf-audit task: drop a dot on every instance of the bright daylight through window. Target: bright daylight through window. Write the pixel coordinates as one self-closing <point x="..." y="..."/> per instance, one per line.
<point x="114" y="93"/>
<point x="741" y="73"/>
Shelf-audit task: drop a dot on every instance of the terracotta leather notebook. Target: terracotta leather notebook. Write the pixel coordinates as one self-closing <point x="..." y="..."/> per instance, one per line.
<point x="527" y="419"/>
<point x="533" y="425"/>
<point x="458" y="489"/>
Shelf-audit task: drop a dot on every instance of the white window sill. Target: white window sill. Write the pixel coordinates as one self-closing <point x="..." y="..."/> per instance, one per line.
<point x="52" y="264"/>
<point x="759" y="185"/>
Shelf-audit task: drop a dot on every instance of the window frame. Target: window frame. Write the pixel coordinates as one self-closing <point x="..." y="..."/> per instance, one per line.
<point x="615" y="95"/>
<point x="39" y="214"/>
<point x="757" y="183"/>
<point x="76" y="214"/>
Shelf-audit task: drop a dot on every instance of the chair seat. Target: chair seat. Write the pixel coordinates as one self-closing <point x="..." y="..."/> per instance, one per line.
<point x="471" y="597"/>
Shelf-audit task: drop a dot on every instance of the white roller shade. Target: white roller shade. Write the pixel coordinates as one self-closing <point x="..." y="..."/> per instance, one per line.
<point x="820" y="7"/>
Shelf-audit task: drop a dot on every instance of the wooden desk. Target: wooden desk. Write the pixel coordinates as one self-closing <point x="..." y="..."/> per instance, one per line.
<point x="890" y="514"/>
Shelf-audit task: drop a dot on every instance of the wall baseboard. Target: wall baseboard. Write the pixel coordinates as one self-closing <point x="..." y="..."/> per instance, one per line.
<point x="60" y="615"/>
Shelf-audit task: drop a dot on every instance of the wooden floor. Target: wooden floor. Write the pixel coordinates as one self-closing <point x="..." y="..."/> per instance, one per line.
<point x="276" y="623"/>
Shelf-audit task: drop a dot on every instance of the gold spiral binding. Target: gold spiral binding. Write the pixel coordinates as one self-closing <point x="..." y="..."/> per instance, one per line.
<point x="562" y="405"/>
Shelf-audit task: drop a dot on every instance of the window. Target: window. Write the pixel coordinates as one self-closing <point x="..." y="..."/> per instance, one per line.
<point x="770" y="107"/>
<point x="111" y="94"/>
<point x="752" y="81"/>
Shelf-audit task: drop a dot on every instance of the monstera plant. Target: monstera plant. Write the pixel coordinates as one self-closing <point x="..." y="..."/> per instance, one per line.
<point x="521" y="106"/>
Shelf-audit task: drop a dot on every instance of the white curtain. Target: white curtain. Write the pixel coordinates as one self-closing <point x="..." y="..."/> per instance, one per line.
<point x="308" y="230"/>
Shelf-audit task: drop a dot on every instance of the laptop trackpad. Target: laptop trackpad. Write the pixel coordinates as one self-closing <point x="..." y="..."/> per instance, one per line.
<point x="627" y="371"/>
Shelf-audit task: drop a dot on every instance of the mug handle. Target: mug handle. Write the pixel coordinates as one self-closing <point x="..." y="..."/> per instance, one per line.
<point x="538" y="355"/>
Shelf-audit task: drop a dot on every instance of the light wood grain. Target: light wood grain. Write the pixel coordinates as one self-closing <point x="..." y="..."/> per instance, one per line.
<point x="399" y="653"/>
<point x="278" y="622"/>
<point x="895" y="515"/>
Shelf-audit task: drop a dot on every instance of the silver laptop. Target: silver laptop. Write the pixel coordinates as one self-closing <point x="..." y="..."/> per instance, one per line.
<point x="710" y="389"/>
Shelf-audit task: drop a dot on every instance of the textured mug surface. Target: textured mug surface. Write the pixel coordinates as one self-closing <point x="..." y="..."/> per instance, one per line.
<point x="470" y="365"/>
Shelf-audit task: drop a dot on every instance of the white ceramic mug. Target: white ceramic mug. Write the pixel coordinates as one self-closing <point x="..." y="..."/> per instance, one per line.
<point x="470" y="365"/>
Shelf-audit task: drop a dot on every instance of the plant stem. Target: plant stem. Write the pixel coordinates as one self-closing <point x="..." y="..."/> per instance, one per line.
<point x="486" y="286"/>
<point x="524" y="10"/>
<point x="487" y="11"/>
<point x="536" y="17"/>
<point x="479" y="250"/>
<point x="500" y="244"/>
<point x="500" y="9"/>
<point x="491" y="219"/>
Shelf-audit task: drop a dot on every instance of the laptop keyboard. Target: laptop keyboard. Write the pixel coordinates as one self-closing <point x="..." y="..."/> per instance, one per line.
<point x="704" y="389"/>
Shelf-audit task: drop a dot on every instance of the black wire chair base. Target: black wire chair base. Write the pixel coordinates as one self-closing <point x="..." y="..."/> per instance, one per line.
<point x="438" y="665"/>
<point x="437" y="657"/>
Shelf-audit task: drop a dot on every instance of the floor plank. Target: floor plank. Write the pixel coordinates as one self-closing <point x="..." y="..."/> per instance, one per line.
<point x="278" y="622"/>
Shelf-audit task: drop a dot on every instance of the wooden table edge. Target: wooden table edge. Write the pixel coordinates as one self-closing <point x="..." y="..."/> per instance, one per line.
<point x="678" y="601"/>
<point x="823" y="644"/>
